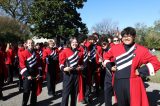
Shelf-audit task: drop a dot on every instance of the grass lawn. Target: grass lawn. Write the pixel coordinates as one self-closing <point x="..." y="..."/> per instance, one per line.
<point x="156" y="78"/>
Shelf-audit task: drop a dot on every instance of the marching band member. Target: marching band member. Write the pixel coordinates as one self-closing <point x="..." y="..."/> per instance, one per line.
<point x="94" y="53"/>
<point x="20" y="50"/>
<point x="38" y="49"/>
<point x="83" y="80"/>
<point x="50" y="59"/>
<point x="31" y="72"/>
<point x="106" y="76"/>
<point x="70" y="63"/>
<point x="3" y="74"/>
<point x="129" y="58"/>
<point x="9" y="62"/>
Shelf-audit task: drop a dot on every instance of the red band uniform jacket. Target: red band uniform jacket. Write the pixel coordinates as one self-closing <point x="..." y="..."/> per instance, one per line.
<point x="30" y="66"/>
<point x="127" y="63"/>
<point x="68" y="58"/>
<point x="50" y="56"/>
<point x="9" y="56"/>
<point x="95" y="53"/>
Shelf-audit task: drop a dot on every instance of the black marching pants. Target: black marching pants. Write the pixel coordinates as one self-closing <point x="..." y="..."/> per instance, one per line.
<point x="108" y="89"/>
<point x="1" y="84"/>
<point x="51" y="79"/>
<point x="29" y="86"/>
<point x="85" y="84"/>
<point x="20" y="85"/>
<point x="122" y="91"/>
<point x="70" y="87"/>
<point x="10" y="73"/>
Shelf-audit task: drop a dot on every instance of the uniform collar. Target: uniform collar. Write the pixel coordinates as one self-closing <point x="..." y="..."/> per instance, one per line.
<point x="127" y="47"/>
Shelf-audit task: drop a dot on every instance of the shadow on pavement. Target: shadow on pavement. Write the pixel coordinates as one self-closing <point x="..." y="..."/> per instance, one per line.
<point x="49" y="101"/>
<point x="10" y="86"/>
<point x="45" y="102"/>
<point x="11" y="95"/>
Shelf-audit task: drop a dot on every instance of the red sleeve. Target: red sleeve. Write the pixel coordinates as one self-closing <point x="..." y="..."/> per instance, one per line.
<point x="87" y="44"/>
<point x="22" y="63"/>
<point x="9" y="56"/>
<point x="62" y="59"/>
<point x="45" y="54"/>
<point x="98" y="54"/>
<point x="151" y="62"/>
<point x="108" y="56"/>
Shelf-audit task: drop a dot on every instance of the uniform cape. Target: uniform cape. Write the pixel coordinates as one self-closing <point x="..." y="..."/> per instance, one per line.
<point x="39" y="87"/>
<point x="80" y="87"/>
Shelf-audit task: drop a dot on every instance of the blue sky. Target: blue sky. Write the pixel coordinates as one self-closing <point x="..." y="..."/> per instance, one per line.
<point x="124" y="12"/>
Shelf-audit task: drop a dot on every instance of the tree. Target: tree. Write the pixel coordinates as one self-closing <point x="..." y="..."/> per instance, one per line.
<point x="47" y="18"/>
<point x="12" y="31"/>
<point x="157" y="26"/>
<point x="141" y="33"/>
<point x="152" y="40"/>
<point x="17" y="9"/>
<point x="105" y="27"/>
<point x="58" y="17"/>
<point x="148" y="36"/>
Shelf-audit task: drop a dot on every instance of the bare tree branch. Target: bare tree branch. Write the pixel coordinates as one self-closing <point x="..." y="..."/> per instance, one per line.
<point x="105" y="27"/>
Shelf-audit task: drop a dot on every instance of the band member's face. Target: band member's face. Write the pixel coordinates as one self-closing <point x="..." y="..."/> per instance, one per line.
<point x="115" y="40"/>
<point x="37" y="47"/>
<point x="30" y="44"/>
<point x="104" y="46"/>
<point x="74" y="43"/>
<point x="25" y="45"/>
<point x="92" y="41"/>
<point x="128" y="39"/>
<point x="51" y="44"/>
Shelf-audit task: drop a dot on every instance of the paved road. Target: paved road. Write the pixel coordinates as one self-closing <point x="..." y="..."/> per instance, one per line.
<point x="13" y="97"/>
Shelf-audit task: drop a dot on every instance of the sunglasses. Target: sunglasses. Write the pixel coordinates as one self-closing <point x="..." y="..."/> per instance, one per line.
<point x="115" y="40"/>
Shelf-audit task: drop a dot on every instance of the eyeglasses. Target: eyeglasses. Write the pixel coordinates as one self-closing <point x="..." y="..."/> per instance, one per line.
<point x="115" y="40"/>
<point x="127" y="36"/>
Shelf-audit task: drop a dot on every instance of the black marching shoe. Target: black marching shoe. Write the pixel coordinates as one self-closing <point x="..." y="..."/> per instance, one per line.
<point x="51" y="94"/>
<point x="1" y="96"/>
<point x="20" y="89"/>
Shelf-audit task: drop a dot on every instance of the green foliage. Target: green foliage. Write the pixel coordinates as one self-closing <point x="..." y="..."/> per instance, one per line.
<point x="148" y="36"/>
<point x="47" y="18"/>
<point x="157" y="26"/>
<point x="153" y="40"/>
<point x="12" y="30"/>
<point x="58" y="17"/>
